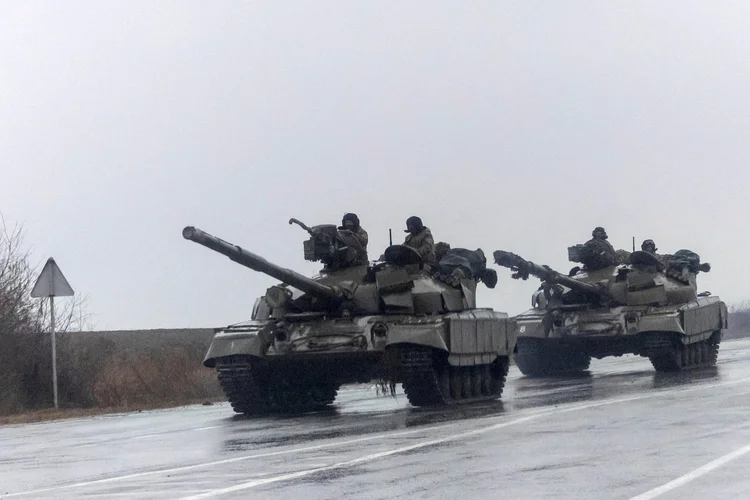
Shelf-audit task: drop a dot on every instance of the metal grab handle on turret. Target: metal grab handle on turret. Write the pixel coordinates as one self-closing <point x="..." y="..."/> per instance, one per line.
<point x="302" y="225"/>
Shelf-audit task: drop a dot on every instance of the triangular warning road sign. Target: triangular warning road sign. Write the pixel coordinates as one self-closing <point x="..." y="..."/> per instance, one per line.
<point x="51" y="283"/>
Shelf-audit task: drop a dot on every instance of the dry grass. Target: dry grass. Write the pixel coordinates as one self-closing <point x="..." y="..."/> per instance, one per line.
<point x="51" y="414"/>
<point x="104" y="372"/>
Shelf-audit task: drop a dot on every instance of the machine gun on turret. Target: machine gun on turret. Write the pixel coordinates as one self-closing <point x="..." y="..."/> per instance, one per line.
<point x="335" y="248"/>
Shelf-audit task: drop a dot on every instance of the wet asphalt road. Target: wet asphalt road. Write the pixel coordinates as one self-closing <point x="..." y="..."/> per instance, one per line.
<point x="620" y="432"/>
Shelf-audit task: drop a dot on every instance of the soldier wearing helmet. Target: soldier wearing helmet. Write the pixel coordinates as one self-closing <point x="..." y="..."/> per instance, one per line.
<point x="420" y="239"/>
<point x="649" y="246"/>
<point x="350" y="222"/>
<point x="598" y="253"/>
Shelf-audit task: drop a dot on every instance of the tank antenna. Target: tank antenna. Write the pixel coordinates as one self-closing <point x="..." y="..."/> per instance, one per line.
<point x="390" y="237"/>
<point x="634" y="243"/>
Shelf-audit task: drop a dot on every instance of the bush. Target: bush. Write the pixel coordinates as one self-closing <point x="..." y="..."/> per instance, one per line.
<point x="94" y="369"/>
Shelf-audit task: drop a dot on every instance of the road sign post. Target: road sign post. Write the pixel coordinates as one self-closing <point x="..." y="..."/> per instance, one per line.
<point x="51" y="283"/>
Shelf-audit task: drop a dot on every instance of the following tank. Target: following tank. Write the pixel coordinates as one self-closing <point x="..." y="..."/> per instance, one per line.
<point x="645" y="304"/>
<point x="392" y="320"/>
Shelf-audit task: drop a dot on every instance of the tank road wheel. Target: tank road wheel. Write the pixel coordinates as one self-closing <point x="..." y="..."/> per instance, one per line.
<point x="712" y="347"/>
<point x="456" y="384"/>
<point x="498" y="373"/>
<point x="540" y="358"/>
<point x="466" y="382"/>
<point x="293" y="396"/>
<point x="684" y="356"/>
<point x="487" y="381"/>
<point x="476" y="381"/>
<point x="429" y="380"/>
<point x="668" y="354"/>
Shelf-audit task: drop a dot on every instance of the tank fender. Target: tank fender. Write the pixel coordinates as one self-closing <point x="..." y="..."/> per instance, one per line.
<point x="426" y="334"/>
<point x="480" y="336"/>
<point x="246" y="340"/>
<point x="669" y="322"/>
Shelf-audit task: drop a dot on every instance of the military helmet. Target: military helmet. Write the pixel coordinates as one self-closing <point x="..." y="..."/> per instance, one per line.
<point x="599" y="231"/>
<point x="648" y="243"/>
<point x="351" y="217"/>
<point x="415" y="222"/>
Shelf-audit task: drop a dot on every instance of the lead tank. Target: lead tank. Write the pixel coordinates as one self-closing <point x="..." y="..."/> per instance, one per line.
<point x="392" y="320"/>
<point x="644" y="304"/>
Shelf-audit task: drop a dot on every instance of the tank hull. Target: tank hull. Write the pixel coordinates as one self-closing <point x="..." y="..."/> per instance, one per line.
<point x="562" y="340"/>
<point x="440" y="359"/>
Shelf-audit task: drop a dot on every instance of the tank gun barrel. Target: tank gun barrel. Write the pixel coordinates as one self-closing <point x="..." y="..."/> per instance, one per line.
<point x="258" y="263"/>
<point x="523" y="268"/>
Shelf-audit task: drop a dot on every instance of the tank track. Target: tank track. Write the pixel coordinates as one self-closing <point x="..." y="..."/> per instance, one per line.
<point x="429" y="380"/>
<point x="539" y="358"/>
<point x="255" y="390"/>
<point x="668" y="354"/>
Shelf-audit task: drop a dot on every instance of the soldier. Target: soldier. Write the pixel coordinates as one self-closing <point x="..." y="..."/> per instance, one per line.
<point x="598" y="253"/>
<point x="350" y="222"/>
<point x="649" y="246"/>
<point x="441" y="248"/>
<point x="420" y="239"/>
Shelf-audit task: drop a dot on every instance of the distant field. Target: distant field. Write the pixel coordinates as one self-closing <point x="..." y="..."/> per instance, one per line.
<point x="127" y="370"/>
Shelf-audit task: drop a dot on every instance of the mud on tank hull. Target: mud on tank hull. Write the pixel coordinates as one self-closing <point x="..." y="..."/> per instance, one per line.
<point x="563" y="340"/>
<point x="440" y="359"/>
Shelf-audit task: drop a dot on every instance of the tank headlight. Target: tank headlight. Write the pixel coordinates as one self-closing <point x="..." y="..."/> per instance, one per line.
<point x="538" y="300"/>
<point x="379" y="330"/>
<point x="280" y="335"/>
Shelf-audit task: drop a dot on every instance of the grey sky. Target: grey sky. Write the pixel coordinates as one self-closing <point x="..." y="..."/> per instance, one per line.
<point x="504" y="125"/>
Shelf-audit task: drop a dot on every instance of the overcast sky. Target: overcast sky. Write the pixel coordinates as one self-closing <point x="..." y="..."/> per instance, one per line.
<point x="504" y="125"/>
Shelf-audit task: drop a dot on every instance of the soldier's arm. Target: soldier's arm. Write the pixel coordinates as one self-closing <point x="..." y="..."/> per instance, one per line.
<point x="363" y="237"/>
<point x="428" y="245"/>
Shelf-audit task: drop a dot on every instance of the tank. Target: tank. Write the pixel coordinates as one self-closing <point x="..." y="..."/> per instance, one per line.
<point x="644" y="304"/>
<point x="391" y="321"/>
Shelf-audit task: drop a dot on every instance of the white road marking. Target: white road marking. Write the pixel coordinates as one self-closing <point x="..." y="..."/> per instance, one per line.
<point x="348" y="463"/>
<point x="221" y="462"/>
<point x="306" y="472"/>
<point x="433" y="442"/>
<point x="144" y="436"/>
<point x="700" y="471"/>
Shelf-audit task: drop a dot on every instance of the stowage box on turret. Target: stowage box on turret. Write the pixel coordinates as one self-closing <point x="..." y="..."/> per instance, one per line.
<point x="644" y="305"/>
<point x="356" y="322"/>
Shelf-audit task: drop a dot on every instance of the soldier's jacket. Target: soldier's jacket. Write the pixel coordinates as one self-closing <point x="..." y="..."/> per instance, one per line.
<point x="597" y="254"/>
<point x="359" y="236"/>
<point x="362" y="237"/>
<point x="423" y="243"/>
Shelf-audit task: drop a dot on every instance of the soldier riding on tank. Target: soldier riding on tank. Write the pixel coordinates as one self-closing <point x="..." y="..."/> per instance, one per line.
<point x="649" y="246"/>
<point x="420" y="239"/>
<point x="597" y="253"/>
<point x="350" y="222"/>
